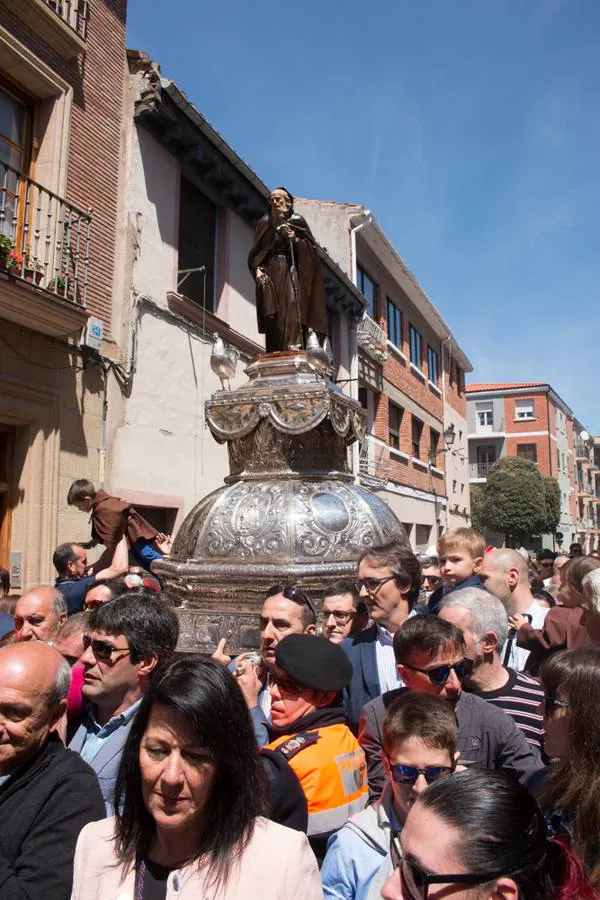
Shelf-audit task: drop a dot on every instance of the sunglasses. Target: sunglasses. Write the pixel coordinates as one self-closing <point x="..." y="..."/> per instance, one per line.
<point x="416" y="881"/>
<point x="432" y="580"/>
<point x="439" y="675"/>
<point x="551" y="704"/>
<point x="289" y="686"/>
<point x="402" y="774"/>
<point x="372" y="584"/>
<point x="102" y="650"/>
<point x="292" y="593"/>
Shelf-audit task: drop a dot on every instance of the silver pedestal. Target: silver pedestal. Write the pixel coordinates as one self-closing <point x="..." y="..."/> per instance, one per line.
<point x="289" y="512"/>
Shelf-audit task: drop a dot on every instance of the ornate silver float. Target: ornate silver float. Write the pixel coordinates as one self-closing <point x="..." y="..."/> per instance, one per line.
<point x="290" y="511"/>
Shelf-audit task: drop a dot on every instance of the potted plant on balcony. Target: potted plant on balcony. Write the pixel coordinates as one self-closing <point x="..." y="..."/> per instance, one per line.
<point x="63" y="288"/>
<point x="5" y="251"/>
<point x="34" y="272"/>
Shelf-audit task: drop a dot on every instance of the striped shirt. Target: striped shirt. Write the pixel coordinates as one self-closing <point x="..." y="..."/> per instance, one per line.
<point x="520" y="698"/>
<point x="386" y="661"/>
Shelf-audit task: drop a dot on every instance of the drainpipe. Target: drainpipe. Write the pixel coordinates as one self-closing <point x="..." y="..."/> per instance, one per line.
<point x="353" y="344"/>
<point x="448" y="340"/>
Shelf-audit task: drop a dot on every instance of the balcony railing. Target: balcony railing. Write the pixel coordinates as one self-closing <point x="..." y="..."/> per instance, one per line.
<point x="480" y="469"/>
<point x="73" y="12"/>
<point x="374" y="456"/>
<point x="43" y="239"/>
<point x="372" y="338"/>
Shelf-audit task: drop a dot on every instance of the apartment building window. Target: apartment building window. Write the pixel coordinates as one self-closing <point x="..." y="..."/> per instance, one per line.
<point x="484" y="412"/>
<point x="527" y="451"/>
<point x="368" y="289"/>
<point x="417" y="432"/>
<point x="460" y="380"/>
<point x="422" y="537"/>
<point x="395" y="421"/>
<point x="434" y="442"/>
<point x="558" y="460"/>
<point x="16" y="115"/>
<point x="394" y="324"/>
<point x="433" y="365"/>
<point x="197" y="245"/>
<point x="524" y="410"/>
<point x="415" y="346"/>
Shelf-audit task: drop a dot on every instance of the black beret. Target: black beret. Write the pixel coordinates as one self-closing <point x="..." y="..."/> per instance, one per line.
<point x="314" y="662"/>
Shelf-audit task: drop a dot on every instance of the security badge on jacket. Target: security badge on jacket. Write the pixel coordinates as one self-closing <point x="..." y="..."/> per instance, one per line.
<point x="349" y="764"/>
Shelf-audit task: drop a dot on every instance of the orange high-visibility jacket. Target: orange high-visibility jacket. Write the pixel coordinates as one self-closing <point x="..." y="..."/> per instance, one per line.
<point x="331" y="768"/>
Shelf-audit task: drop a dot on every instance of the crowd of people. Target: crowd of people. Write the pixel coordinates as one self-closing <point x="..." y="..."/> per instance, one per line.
<point x="427" y="729"/>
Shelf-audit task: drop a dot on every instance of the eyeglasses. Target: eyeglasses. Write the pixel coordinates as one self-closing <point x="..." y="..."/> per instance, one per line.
<point x="102" y="650"/>
<point x="551" y="704"/>
<point x="546" y="562"/>
<point x="402" y="774"/>
<point x="372" y="584"/>
<point x="432" y="580"/>
<point x="416" y="881"/>
<point x="289" y="686"/>
<point x="341" y="618"/>
<point x="439" y="675"/>
<point x="292" y="593"/>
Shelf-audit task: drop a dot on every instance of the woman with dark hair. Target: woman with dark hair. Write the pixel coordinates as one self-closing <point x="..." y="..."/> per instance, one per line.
<point x="564" y="626"/>
<point x="479" y="835"/>
<point x="191" y="793"/>
<point x="570" y="794"/>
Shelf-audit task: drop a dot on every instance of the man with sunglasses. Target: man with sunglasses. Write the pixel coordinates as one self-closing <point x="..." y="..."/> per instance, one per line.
<point x="419" y="747"/>
<point x="389" y="584"/>
<point x="127" y="638"/>
<point x="309" y="729"/>
<point x="430" y="654"/>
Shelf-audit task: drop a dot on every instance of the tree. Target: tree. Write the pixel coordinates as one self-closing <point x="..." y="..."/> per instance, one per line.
<point x="514" y="500"/>
<point x="477" y="507"/>
<point x="552" y="501"/>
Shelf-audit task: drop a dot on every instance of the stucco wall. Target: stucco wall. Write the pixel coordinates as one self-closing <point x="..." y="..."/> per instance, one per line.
<point x="329" y="222"/>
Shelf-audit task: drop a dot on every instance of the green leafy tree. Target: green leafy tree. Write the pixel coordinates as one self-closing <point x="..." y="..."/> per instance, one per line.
<point x="552" y="499"/>
<point x="514" y="500"/>
<point x="477" y="507"/>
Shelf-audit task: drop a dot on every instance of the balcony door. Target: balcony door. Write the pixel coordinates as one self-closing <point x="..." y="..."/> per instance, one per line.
<point x="486" y="456"/>
<point x="15" y="145"/>
<point x="7" y="443"/>
<point x="485" y="417"/>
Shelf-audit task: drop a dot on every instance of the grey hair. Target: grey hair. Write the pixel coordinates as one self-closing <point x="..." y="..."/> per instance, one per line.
<point x="487" y="612"/>
<point x="62" y="682"/>
<point x="59" y="604"/>
<point x="593" y="579"/>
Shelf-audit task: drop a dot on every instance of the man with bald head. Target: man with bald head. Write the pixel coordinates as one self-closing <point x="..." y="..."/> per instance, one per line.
<point x="47" y="793"/>
<point x="39" y="613"/>
<point x="505" y="573"/>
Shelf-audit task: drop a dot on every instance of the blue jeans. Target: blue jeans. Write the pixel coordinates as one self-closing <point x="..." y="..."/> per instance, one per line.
<point x="144" y="552"/>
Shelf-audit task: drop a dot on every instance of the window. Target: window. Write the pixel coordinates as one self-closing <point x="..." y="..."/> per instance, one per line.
<point x="197" y="244"/>
<point x="486" y="457"/>
<point x="369" y="290"/>
<point x="434" y="442"/>
<point x="395" y="421"/>
<point x="452" y="373"/>
<point x="422" y="535"/>
<point x="417" y="431"/>
<point x="394" y="324"/>
<point x="484" y="412"/>
<point x="15" y="142"/>
<point x="415" y="346"/>
<point x="460" y="380"/>
<point x="432" y="362"/>
<point x="558" y="459"/>
<point x="527" y="451"/>
<point x="524" y="409"/>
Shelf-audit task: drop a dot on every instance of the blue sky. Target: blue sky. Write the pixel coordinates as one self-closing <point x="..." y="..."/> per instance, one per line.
<point x="470" y="129"/>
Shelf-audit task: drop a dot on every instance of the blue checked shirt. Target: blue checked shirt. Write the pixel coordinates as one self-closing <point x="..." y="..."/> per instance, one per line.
<point x="97" y="734"/>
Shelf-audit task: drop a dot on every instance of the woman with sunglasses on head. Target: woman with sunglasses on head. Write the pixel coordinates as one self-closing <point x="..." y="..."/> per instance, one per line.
<point x="190" y="798"/>
<point x="479" y="835"/>
<point x="570" y="793"/>
<point x="419" y="747"/>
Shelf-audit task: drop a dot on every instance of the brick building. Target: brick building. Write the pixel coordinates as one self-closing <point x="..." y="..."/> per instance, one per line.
<point x="409" y="375"/>
<point x="587" y="487"/>
<point x="62" y="69"/>
<point x="529" y="420"/>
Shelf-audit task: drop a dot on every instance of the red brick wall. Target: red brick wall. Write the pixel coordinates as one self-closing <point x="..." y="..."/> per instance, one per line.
<point x="540" y="423"/>
<point x="97" y="79"/>
<point x="543" y="452"/>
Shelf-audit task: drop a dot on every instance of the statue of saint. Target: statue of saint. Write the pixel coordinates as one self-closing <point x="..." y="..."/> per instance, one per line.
<point x="285" y="264"/>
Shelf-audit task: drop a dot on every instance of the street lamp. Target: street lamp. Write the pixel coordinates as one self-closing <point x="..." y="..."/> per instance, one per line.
<point x="449" y="438"/>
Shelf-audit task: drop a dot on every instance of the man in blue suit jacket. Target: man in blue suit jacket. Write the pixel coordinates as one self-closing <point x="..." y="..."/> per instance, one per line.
<point x="389" y="580"/>
<point x="127" y="638"/>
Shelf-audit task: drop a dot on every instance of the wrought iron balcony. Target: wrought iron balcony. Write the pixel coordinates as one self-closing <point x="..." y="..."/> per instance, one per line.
<point x="44" y="241"/>
<point x="480" y="470"/>
<point x="372" y="338"/>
